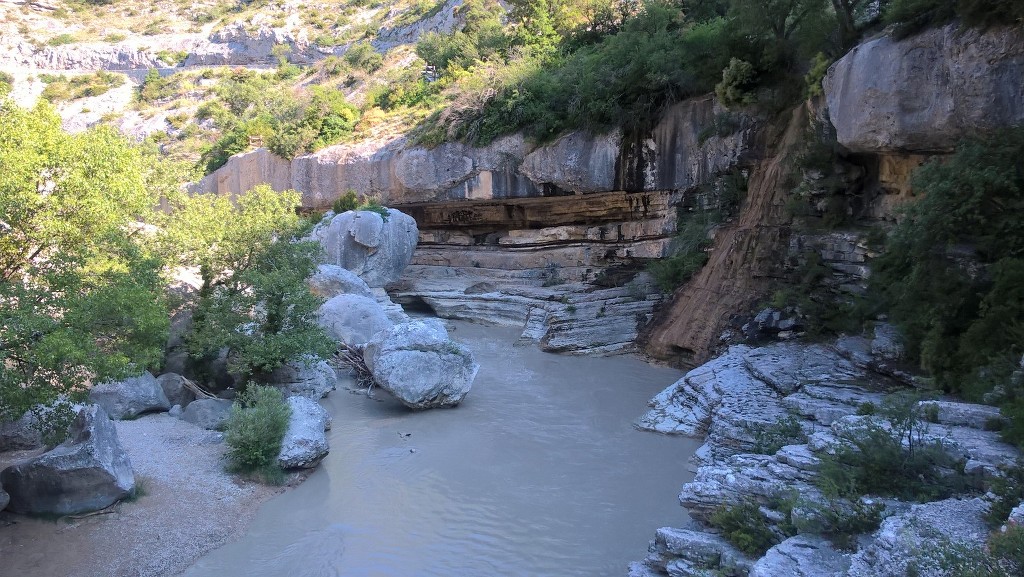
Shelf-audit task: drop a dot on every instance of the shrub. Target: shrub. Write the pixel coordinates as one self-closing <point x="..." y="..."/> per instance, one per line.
<point x="61" y="40"/>
<point x="1009" y="492"/>
<point x="892" y="459"/>
<point x="952" y="273"/>
<point x="62" y="88"/>
<point x="690" y="253"/>
<point x="768" y="439"/>
<point x="347" y="201"/>
<point x="745" y="527"/>
<point x="373" y="205"/>
<point x="255" y="429"/>
<point x="738" y="79"/>
<point x="363" y="56"/>
<point x="6" y="83"/>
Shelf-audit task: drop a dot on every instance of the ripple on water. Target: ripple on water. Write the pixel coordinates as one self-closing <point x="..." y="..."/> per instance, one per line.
<point x="538" y="473"/>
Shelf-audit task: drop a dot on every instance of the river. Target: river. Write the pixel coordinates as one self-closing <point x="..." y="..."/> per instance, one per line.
<point x="538" y="472"/>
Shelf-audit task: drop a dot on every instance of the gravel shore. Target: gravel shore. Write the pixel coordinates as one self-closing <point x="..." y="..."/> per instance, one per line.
<point x="188" y="507"/>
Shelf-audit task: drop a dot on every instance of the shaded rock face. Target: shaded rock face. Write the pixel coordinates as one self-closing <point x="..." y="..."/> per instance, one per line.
<point x="209" y="414"/>
<point x="20" y="434"/>
<point x="88" y="472"/>
<point x="131" y="397"/>
<point x="420" y="366"/>
<point x="4" y="499"/>
<point x="175" y="390"/>
<point x="353" y="319"/>
<point x="312" y="378"/>
<point x="375" y="249"/>
<point x="926" y="92"/>
<point x="304" y="443"/>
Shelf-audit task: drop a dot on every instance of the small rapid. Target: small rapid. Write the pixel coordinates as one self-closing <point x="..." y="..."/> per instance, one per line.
<point x="538" y="473"/>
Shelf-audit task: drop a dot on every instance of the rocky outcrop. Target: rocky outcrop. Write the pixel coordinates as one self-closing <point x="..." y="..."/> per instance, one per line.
<point x="209" y="414"/>
<point x="420" y="365"/>
<point x="311" y="377"/>
<point x="88" y="472"/>
<point x="242" y="172"/>
<point x="695" y="140"/>
<point x="926" y="92"/>
<point x="353" y="319"/>
<point x="4" y="498"/>
<point x="916" y="539"/>
<point x="377" y="248"/>
<point x="768" y="416"/>
<point x="304" y="443"/>
<point x="131" y="397"/>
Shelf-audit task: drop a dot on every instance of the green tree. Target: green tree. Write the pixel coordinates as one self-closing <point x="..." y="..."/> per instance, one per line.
<point x="253" y="300"/>
<point x="80" y="294"/>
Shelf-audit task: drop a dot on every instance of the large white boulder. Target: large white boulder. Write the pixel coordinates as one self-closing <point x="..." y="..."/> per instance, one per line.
<point x="364" y="242"/>
<point x="311" y="377"/>
<point x="331" y="280"/>
<point x="90" y="471"/>
<point x="418" y="364"/>
<point x="304" y="443"/>
<point x="353" y="319"/>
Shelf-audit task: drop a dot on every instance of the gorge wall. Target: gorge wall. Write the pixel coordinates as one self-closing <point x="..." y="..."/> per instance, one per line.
<point x="551" y="237"/>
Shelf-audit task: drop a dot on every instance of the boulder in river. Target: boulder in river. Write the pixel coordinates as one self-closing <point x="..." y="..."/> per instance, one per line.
<point x="331" y="280"/>
<point x="304" y="443"/>
<point x="418" y="364"/>
<point x="89" y="471"/>
<point x="377" y="249"/>
<point x="311" y="377"/>
<point x="353" y="319"/>
<point x="131" y="397"/>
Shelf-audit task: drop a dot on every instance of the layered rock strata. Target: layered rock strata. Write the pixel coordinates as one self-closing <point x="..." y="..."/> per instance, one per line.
<point x="822" y="390"/>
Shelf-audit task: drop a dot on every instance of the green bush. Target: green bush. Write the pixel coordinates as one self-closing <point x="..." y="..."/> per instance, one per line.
<point x="255" y="429"/>
<point x="348" y="201"/>
<point x="62" y="40"/>
<point x="892" y="459"/>
<point x="62" y="88"/>
<point x="952" y="273"/>
<point x="690" y="253"/>
<point x="745" y="527"/>
<point x="374" y="205"/>
<point x="738" y="80"/>
<point x="769" y="438"/>
<point x="1009" y="492"/>
<point x="363" y="56"/>
<point x="6" y="83"/>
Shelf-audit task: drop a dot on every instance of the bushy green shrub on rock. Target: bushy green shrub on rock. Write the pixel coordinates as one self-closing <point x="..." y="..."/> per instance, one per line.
<point x="255" y="429"/>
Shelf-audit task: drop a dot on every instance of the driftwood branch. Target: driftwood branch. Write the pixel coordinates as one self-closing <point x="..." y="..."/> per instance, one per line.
<point x="199" y="392"/>
<point x="352" y="358"/>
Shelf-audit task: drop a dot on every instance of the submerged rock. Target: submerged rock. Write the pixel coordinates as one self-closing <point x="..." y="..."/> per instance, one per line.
<point x="418" y="364"/>
<point x="353" y="319"/>
<point x="304" y="443"/>
<point x="90" y="471"/>
<point x="131" y="397"/>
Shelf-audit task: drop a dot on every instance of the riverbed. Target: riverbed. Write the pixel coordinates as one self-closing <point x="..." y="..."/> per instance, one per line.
<point x="539" y="472"/>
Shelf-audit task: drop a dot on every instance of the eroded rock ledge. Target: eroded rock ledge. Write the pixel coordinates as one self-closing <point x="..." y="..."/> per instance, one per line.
<point x="823" y="388"/>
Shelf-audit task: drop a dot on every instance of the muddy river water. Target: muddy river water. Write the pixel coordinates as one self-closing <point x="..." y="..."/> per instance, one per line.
<point x="538" y="473"/>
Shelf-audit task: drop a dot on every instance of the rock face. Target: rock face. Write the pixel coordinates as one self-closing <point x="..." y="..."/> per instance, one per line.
<point x="738" y="401"/>
<point x="246" y="170"/>
<point x="20" y="434"/>
<point x="375" y="249"/>
<point x="418" y="364"/>
<point x="916" y="538"/>
<point x="926" y="92"/>
<point x="88" y="472"/>
<point x="353" y="319"/>
<point x="209" y="414"/>
<point x="313" y="378"/>
<point x="175" y="390"/>
<point x="4" y="499"/>
<point x="131" y="397"/>
<point x="304" y="443"/>
<point x="331" y="280"/>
